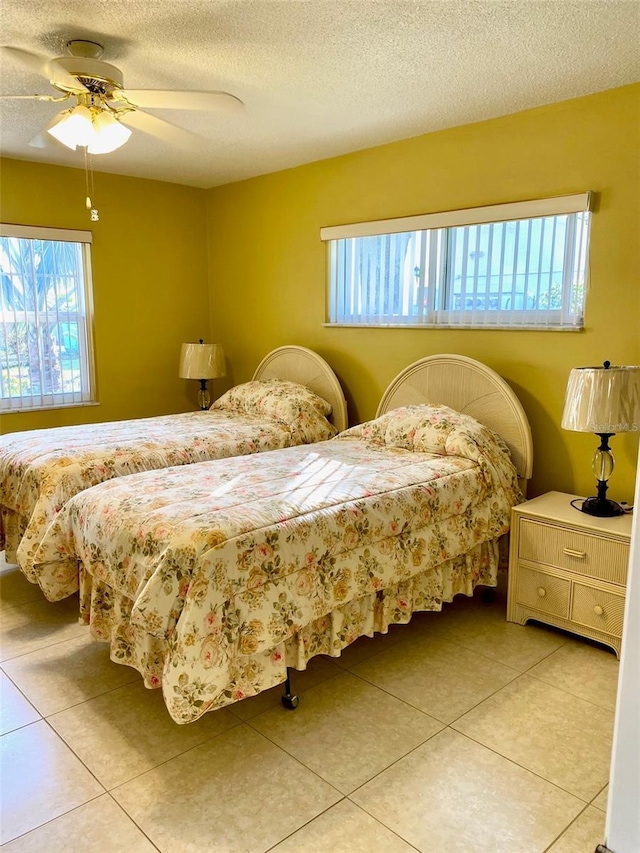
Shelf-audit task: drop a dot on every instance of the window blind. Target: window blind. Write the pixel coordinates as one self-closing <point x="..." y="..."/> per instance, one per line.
<point x="45" y="311"/>
<point x="488" y="267"/>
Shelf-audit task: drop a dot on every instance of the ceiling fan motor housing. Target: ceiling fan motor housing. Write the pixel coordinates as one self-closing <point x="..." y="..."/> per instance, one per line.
<point x="97" y="76"/>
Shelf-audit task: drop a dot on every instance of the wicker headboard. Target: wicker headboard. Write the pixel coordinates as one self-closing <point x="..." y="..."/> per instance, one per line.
<point x="471" y="387"/>
<point x="302" y="365"/>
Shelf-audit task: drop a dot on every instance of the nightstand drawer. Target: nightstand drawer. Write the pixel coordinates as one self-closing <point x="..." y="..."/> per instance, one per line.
<point x="543" y="592"/>
<point x="573" y="551"/>
<point x="597" y="609"/>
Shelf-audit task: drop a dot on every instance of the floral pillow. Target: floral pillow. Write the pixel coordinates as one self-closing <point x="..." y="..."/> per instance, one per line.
<point x="424" y="429"/>
<point x="287" y="402"/>
<point x="443" y="431"/>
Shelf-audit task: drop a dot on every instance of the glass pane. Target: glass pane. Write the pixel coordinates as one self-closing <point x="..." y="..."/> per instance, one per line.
<point x="33" y="364"/>
<point x="67" y="338"/>
<point x="376" y="278"/>
<point x="15" y="377"/>
<point x="509" y="266"/>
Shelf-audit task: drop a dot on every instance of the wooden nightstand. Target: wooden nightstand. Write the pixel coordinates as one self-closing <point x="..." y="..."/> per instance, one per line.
<point x="568" y="569"/>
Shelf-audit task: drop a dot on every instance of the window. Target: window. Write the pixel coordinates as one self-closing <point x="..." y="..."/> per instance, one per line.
<point x="517" y="265"/>
<point x="46" y="358"/>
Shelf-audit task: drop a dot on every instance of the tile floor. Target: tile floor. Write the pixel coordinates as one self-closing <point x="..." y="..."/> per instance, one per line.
<point x="456" y="733"/>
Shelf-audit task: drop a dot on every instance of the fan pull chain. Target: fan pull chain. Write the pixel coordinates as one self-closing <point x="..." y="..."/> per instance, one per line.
<point x="88" y="172"/>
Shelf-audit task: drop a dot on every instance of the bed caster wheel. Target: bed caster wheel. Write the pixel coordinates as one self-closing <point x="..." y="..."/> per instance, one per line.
<point x="290" y="702"/>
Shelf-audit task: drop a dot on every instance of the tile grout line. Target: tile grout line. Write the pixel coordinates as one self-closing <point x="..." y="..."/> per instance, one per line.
<point x="566" y="829"/>
<point x="526" y="671"/>
<point x="67" y="707"/>
<point x="52" y="819"/>
<point x="4" y="603"/>
<point x="90" y="800"/>
<point x="515" y="763"/>
<point x="522" y="767"/>
<point x="518" y="674"/>
<point x="449" y="726"/>
<point x="76" y="808"/>
<point x="324" y="811"/>
<point x="431" y="715"/>
<point x="133" y="821"/>
<point x="155" y="767"/>
<point x="470" y="737"/>
<point x="345" y="798"/>
<point x="70" y="748"/>
<point x="596" y="797"/>
<point x="295" y="758"/>
<point x="38" y="649"/>
<point x="376" y="774"/>
<point x="26" y="699"/>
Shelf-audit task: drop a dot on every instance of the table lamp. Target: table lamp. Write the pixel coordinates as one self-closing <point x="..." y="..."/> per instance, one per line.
<point x="603" y="400"/>
<point x="202" y="361"/>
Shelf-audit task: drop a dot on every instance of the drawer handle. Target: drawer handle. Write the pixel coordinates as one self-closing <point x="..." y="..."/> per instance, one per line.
<point x="542" y="591"/>
<point x="598" y="610"/>
<point x="579" y="555"/>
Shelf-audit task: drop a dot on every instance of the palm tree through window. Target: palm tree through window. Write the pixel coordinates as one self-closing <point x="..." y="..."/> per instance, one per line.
<point x="45" y="346"/>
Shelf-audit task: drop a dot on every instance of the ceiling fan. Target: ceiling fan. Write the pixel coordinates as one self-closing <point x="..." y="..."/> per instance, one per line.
<point x="103" y="110"/>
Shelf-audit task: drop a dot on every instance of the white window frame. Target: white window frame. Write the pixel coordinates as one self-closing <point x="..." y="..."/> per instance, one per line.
<point x="435" y="230"/>
<point x="85" y="395"/>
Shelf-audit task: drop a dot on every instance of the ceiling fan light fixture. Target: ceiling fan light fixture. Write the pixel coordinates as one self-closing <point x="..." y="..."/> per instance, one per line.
<point x="109" y="134"/>
<point x="92" y="127"/>
<point x="74" y="128"/>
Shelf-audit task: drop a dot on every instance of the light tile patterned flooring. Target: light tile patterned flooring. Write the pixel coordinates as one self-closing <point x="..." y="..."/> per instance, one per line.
<point x="456" y="733"/>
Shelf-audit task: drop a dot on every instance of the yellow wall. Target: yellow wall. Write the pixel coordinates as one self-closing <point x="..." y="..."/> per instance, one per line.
<point x="267" y="264"/>
<point x="149" y="261"/>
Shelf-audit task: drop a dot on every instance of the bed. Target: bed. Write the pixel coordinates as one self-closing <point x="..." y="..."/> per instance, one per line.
<point x="212" y="580"/>
<point x="294" y="397"/>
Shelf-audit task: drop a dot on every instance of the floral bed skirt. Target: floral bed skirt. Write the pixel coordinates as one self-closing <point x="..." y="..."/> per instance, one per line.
<point x="108" y="615"/>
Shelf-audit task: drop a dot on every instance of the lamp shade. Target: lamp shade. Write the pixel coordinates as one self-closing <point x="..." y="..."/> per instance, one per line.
<point x="109" y="134"/>
<point x="96" y="128"/>
<point x="74" y="128"/>
<point x="603" y="400"/>
<point x="201" y="361"/>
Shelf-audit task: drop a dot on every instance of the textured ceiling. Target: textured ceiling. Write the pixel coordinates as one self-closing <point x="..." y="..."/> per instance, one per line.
<point x="318" y="77"/>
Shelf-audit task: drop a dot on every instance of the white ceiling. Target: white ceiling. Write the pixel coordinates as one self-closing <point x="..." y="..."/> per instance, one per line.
<point x="318" y="77"/>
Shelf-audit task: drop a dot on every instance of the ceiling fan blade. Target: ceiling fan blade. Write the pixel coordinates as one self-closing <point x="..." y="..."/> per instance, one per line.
<point x="40" y="140"/>
<point x="165" y="99"/>
<point x="43" y="66"/>
<point x="160" y="128"/>
<point x="24" y="97"/>
<point x="31" y="61"/>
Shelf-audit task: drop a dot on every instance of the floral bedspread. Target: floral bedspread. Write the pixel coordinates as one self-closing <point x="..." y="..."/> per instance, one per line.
<point x="41" y="469"/>
<point x="223" y="562"/>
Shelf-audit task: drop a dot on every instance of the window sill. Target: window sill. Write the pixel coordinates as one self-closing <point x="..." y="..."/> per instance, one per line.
<point x="450" y="326"/>
<point x="47" y="408"/>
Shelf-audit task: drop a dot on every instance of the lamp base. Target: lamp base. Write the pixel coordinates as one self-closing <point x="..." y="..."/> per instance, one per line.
<point x="602" y="507"/>
<point x="204" y="400"/>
